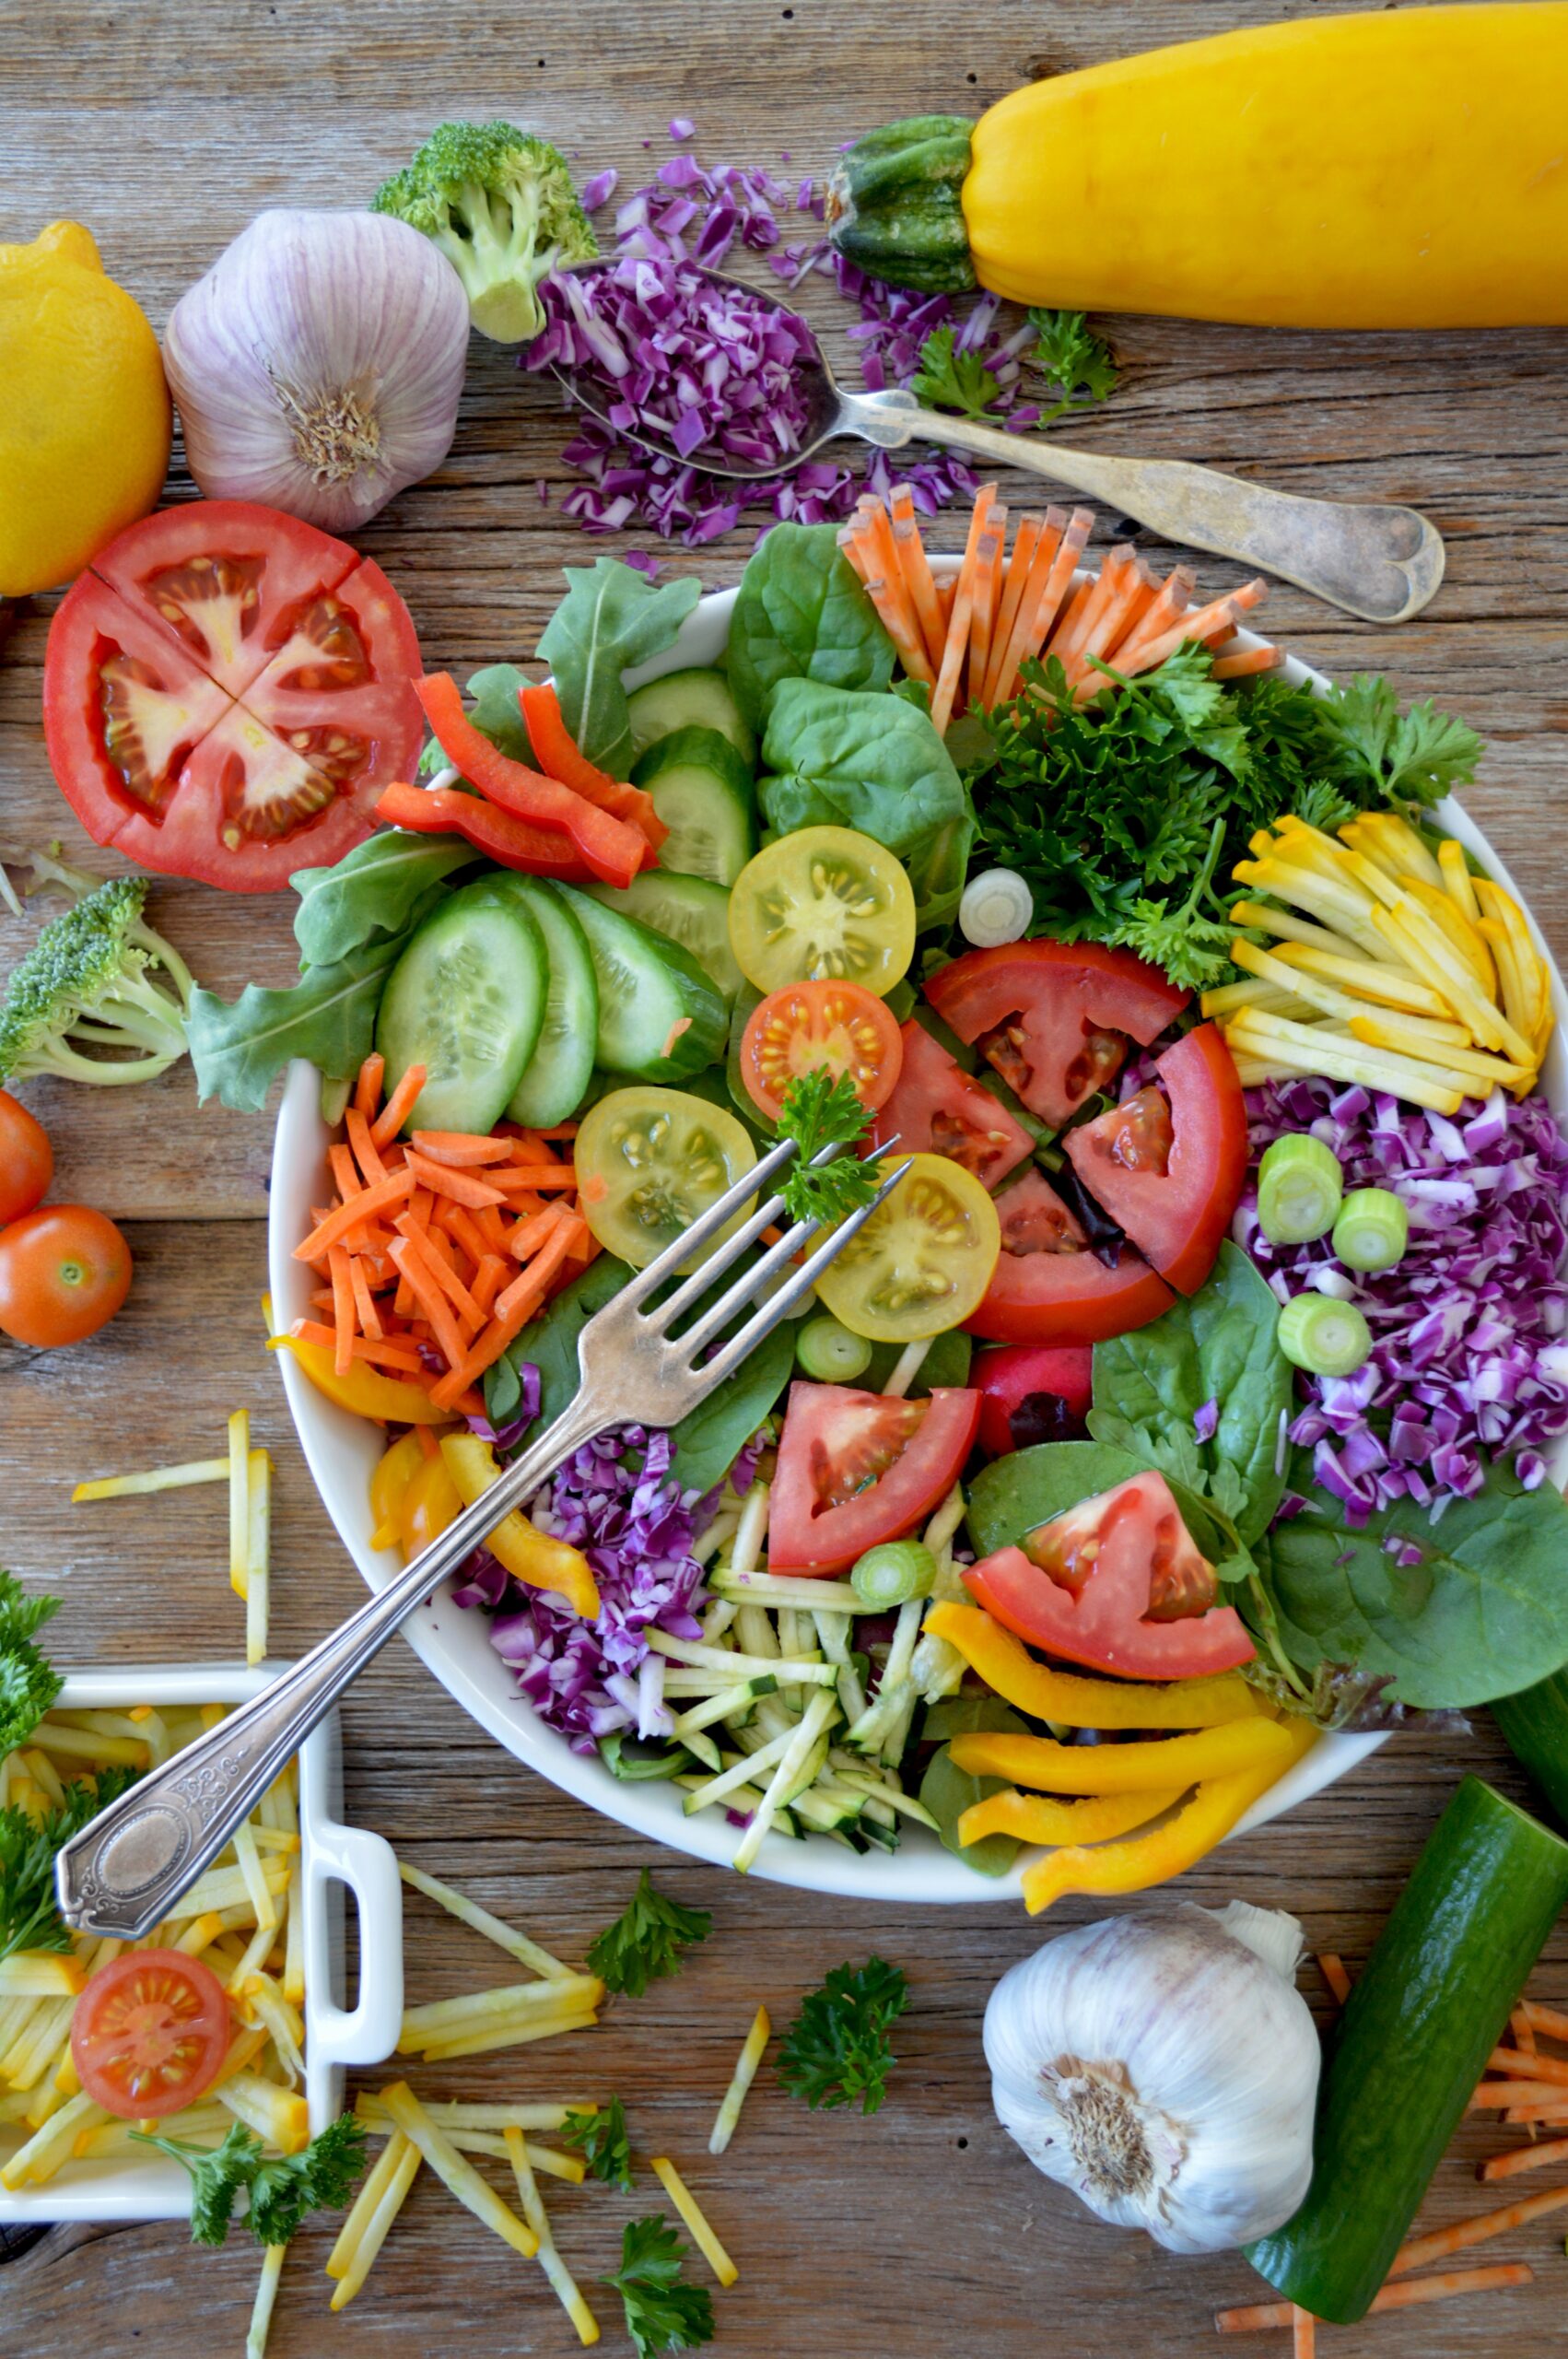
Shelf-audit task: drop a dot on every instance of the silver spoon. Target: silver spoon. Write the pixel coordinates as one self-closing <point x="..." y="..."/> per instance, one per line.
<point x="1381" y="563"/>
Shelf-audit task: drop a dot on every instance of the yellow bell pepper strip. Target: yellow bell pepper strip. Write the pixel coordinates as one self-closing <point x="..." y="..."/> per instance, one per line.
<point x="364" y="1391"/>
<point x="1006" y="1665"/>
<point x="1166" y="1851"/>
<point x="1135" y="1769"/>
<point x="528" y="1554"/>
<point x="390" y="1479"/>
<point x="1036" y="1818"/>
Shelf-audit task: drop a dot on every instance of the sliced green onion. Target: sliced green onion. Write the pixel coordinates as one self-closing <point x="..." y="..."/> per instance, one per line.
<point x="1325" y="1337"/>
<point x="1373" y="1229"/>
<point x="895" y="1574"/>
<point x="829" y="1353"/>
<point x="1300" y="1188"/>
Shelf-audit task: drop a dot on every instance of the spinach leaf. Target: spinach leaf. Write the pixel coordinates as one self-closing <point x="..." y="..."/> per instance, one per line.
<point x="711" y="1436"/>
<point x="1027" y="1487"/>
<point x="549" y="1344"/>
<point x="611" y="619"/>
<point x="1480" y="1611"/>
<point x="802" y="613"/>
<point x="329" y="1016"/>
<point x="1218" y="1346"/>
<point x="843" y="757"/>
<point x="372" y="893"/>
<point x="948" y="1792"/>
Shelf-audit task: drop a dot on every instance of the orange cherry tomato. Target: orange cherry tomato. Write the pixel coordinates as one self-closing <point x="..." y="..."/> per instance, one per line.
<point x="150" y="2033"/>
<point x="840" y="1025"/>
<point x="430" y="1502"/>
<point x="27" y="1160"/>
<point x="63" y="1274"/>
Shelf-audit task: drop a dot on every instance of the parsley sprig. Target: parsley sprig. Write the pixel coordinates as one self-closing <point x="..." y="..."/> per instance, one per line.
<point x="28" y="1684"/>
<point x="818" y="1110"/>
<point x="29" y="1918"/>
<point x="838" y="2048"/>
<point x="1069" y="356"/>
<point x="601" y="2139"/>
<point x="949" y="377"/>
<point x="663" y="2313"/>
<point x="282" y="2191"/>
<point x="647" y="1941"/>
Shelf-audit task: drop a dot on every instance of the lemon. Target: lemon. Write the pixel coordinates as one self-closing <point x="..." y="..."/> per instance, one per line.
<point x="85" y="422"/>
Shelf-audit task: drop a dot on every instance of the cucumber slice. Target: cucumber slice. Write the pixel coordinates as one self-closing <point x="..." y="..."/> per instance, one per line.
<point x="688" y="910"/>
<point x="649" y="990"/>
<point x="706" y="797"/>
<point x="693" y="699"/>
<point x="466" y="1001"/>
<point x="558" y="1074"/>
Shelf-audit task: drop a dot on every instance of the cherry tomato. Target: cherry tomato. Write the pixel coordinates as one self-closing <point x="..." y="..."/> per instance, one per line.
<point x="922" y="1262"/>
<point x="1168" y="1165"/>
<point x="63" y="1274"/>
<point x="939" y="1109"/>
<point x="823" y="901"/>
<point x="1053" y="1018"/>
<point x="1033" y="1392"/>
<point x="149" y="2033"/>
<point x="27" y="1159"/>
<point x="429" y="1503"/>
<point x="1049" y="1287"/>
<point x="794" y="1030"/>
<point x="855" y="1468"/>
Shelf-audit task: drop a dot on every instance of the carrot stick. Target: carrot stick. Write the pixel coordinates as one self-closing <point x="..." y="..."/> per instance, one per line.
<point x="1140" y="597"/>
<point x="1208" y="621"/>
<point x="388" y="1352"/>
<point x="1101" y="634"/>
<point x="1170" y="600"/>
<point x="1333" y="1969"/>
<point x="369" y="1317"/>
<point x="1010" y="648"/>
<point x="1525" y="2158"/>
<point x="366" y="1153"/>
<point x="900" y="626"/>
<point x="399" y="1105"/>
<point x="1245" y="660"/>
<point x="343" y="1322"/>
<point x="487" y="1281"/>
<point x="957" y="638"/>
<point x="513" y="1310"/>
<point x="1038" y="613"/>
<point x="1067" y="639"/>
<point x="336" y="1225"/>
<point x="535" y="1276"/>
<point x="429" y="1444"/>
<point x="916" y="571"/>
<point x="428" y="1293"/>
<point x="1026" y="541"/>
<point x="367" y="1087"/>
<point x="984" y="598"/>
<point x="1409" y="2294"/>
<point x="462" y="1148"/>
<point x="512" y="1177"/>
<point x="1530" y="2096"/>
<point x="1545" y="2117"/>
<point x="529" y="1234"/>
<point x="475" y="1241"/>
<point x="1477" y="2231"/>
<point x="909" y="636"/>
<point x="1303" y="2340"/>
<point x="1550" y="2020"/>
<point x="345" y="1176"/>
<point x="442" y="1180"/>
<point x="1529" y="2068"/>
<point x="441" y="1274"/>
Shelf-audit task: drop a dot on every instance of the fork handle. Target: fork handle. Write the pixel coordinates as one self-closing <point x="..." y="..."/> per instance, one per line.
<point x="124" y="1872"/>
<point x="1380" y="562"/>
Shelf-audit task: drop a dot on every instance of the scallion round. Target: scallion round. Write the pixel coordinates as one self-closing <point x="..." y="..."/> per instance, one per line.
<point x="829" y="1353"/>
<point x="894" y="1574"/>
<point x="1300" y="1188"/>
<point x="1373" y="1229"/>
<point x="1325" y="1337"/>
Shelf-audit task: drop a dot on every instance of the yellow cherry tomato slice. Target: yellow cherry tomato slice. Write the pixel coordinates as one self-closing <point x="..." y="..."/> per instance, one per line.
<point x="824" y="903"/>
<point x="648" y="1161"/>
<point x="923" y="1260"/>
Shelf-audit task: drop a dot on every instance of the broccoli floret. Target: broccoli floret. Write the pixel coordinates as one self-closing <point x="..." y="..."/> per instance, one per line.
<point x="501" y="207"/>
<point x="90" y="979"/>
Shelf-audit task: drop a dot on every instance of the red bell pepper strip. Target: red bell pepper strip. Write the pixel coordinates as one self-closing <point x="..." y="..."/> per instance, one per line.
<point x="554" y="745"/>
<point x="510" y="841"/>
<point x="614" y="851"/>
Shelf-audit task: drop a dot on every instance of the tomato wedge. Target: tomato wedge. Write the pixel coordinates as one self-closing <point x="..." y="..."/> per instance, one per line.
<point x="937" y="1108"/>
<point x="149" y="2033"/>
<point x="1032" y="1393"/>
<point x="1053" y="1019"/>
<point x="226" y="692"/>
<point x="794" y="1030"/>
<point x="1049" y="1288"/>
<point x="855" y="1468"/>
<point x="1117" y="1583"/>
<point x="1169" y="1165"/>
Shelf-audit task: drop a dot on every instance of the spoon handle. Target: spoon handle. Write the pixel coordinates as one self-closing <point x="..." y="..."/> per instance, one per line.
<point x="1381" y="563"/>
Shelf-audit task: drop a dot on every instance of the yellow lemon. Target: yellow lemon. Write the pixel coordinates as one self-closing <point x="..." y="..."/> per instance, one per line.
<point x="85" y="421"/>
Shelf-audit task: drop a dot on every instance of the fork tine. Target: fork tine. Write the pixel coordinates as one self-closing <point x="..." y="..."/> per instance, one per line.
<point x="665" y="1265"/>
<point x="728" y="1359"/>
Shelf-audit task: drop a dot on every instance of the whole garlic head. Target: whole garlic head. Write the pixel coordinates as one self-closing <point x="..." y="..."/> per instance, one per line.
<point x="1165" y="2069"/>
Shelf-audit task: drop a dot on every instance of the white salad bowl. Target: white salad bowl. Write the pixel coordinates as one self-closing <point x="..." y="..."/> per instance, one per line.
<point x="341" y="1452"/>
<point x="333" y="1857"/>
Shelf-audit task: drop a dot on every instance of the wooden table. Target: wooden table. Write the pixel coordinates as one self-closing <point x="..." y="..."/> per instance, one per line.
<point x="165" y="128"/>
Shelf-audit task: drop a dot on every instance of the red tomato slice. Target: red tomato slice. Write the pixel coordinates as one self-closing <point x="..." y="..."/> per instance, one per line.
<point x="1169" y="1166"/>
<point x="855" y="1468"/>
<point x="149" y="2033"/>
<point x="1053" y="1019"/>
<point x="839" y="1024"/>
<point x="227" y="692"/>
<point x="1033" y="1392"/>
<point x="1049" y="1288"/>
<point x="937" y="1108"/>
<point x="1119" y="1584"/>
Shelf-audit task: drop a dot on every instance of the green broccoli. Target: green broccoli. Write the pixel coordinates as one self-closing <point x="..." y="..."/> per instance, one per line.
<point x="501" y="207"/>
<point x="99" y="976"/>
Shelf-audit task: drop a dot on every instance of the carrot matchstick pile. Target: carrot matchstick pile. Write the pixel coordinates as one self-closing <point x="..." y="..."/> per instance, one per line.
<point x="447" y="1243"/>
<point x="968" y="638"/>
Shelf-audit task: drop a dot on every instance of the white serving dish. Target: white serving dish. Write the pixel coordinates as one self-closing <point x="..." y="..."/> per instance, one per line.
<point x="112" y="2189"/>
<point x="341" y="1450"/>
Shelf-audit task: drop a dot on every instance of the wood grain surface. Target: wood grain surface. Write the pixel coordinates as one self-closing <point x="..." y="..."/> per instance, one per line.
<point x="165" y="127"/>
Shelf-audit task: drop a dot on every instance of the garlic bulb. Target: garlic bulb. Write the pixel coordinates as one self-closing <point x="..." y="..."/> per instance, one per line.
<point x="318" y="365"/>
<point x="996" y="907"/>
<point x="1165" y="2069"/>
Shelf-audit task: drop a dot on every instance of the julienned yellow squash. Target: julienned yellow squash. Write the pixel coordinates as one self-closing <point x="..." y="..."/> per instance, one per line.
<point x="1404" y="168"/>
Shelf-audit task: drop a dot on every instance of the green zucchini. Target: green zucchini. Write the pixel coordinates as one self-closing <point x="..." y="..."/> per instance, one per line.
<point x="1416" y="2030"/>
<point x="894" y="204"/>
<point x="1536" y="1727"/>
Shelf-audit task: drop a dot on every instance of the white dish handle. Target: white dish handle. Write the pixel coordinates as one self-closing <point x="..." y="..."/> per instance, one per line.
<point x="368" y="2032"/>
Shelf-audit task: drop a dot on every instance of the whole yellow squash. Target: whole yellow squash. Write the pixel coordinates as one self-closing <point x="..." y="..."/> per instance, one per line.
<point x="84" y="418"/>
<point x="1400" y="168"/>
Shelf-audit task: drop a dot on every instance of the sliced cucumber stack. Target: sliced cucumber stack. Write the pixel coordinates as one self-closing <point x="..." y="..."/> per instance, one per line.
<point x="691" y="911"/>
<point x="558" y="1074"/>
<point x="691" y="699"/>
<point x="660" y="1017"/>
<point x="466" y="1001"/>
<point x="704" y="793"/>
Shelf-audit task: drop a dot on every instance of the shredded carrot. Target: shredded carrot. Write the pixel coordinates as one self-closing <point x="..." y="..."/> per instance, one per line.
<point x="399" y="1105"/>
<point x="384" y="1354"/>
<point x="434" y="1264"/>
<point x="367" y="1087"/>
<point x="542" y="1175"/>
<point x="538" y="1269"/>
<point x="1477" y="2231"/>
<point x="344" y="1321"/>
<point x="460" y="1147"/>
<point x="1525" y="2158"/>
<point x="369" y="1317"/>
<point x="1528" y="2095"/>
<point x="1333" y="1969"/>
<point x="1409" y="2294"/>
<point x="336" y="1225"/>
<point x="428" y="1293"/>
<point x="1532" y="2067"/>
<point x="367" y="1155"/>
<point x="444" y="1181"/>
<point x="1550" y="2020"/>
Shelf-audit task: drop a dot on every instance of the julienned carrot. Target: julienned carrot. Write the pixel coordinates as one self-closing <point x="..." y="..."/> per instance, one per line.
<point x="367" y="1155"/>
<point x="402" y="1358"/>
<point x="1409" y="2294"/>
<point x="526" y="1239"/>
<point x="445" y="1179"/>
<point x="1026" y="541"/>
<point x="1525" y="2158"/>
<point x="1477" y="2231"/>
<point x="1304" y="2337"/>
<point x="488" y="1273"/>
<point x="369" y="1317"/>
<point x="510" y="1178"/>
<point x="345" y="1324"/>
<point x="1246" y="660"/>
<point x="538" y="1269"/>
<point x="428" y="1293"/>
<point x="435" y="1266"/>
<point x="1530" y="2097"/>
<point x="1333" y="1969"/>
<point x="336" y="1225"/>
<point x="345" y="1176"/>
<point x="460" y="1147"/>
<point x="1532" y="2067"/>
<point x="956" y="645"/>
<point x="399" y="1105"/>
<point x="985" y="598"/>
<point x="916" y="568"/>
<point x="558" y="753"/>
<point x="1550" y="2020"/>
<point x="367" y="1086"/>
<point x="1043" y="601"/>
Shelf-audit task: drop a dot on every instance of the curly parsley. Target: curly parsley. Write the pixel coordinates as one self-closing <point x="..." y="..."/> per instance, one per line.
<point x="29" y="1918"/>
<point x="646" y="1941"/>
<point x="819" y="1112"/>
<point x="282" y="2191"/>
<point x="28" y="1684"/>
<point x="838" y="2048"/>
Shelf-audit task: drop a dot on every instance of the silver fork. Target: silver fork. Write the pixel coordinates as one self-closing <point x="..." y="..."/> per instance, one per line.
<point x="124" y="1874"/>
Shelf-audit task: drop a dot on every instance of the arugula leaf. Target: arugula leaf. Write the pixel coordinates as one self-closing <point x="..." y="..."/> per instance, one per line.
<point x="29" y="1918"/>
<point x="1069" y="355"/>
<point x="612" y="619"/>
<point x="663" y="2312"/>
<point x="950" y="378"/>
<point x="282" y="2192"/>
<point x="819" y="1110"/>
<point x="601" y="2139"/>
<point x="497" y="712"/>
<point x="801" y="612"/>
<point x="838" y="2048"/>
<point x="28" y="1683"/>
<point x="329" y="1017"/>
<point x="372" y="893"/>
<point x="645" y="1941"/>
